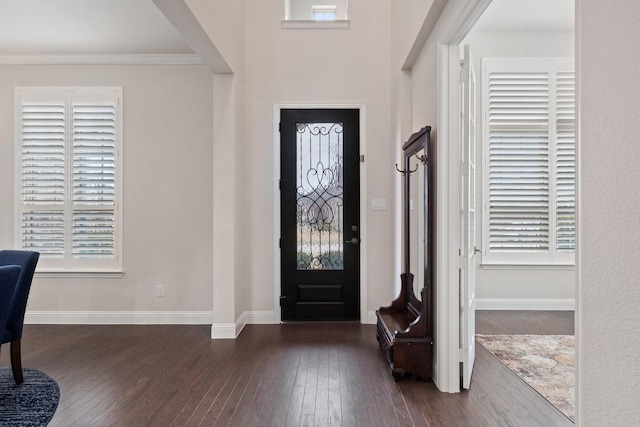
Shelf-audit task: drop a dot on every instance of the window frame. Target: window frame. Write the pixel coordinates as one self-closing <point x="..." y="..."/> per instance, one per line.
<point x="69" y="265"/>
<point x="551" y="257"/>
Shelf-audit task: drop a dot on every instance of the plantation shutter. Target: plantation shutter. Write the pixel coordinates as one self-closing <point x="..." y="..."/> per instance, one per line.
<point x="94" y="159"/>
<point x="565" y="162"/>
<point x="529" y="168"/>
<point x="69" y="145"/>
<point x="43" y="183"/>
<point x="518" y="120"/>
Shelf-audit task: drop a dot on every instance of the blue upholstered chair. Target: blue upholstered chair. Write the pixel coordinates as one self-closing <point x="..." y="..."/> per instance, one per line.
<point x="13" y="329"/>
<point x="8" y="279"/>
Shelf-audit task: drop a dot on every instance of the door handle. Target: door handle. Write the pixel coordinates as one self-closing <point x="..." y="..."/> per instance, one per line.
<point x="476" y="250"/>
<point x="354" y="241"/>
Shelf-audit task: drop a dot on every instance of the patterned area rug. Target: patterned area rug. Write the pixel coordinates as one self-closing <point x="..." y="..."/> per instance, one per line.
<point x="545" y="362"/>
<point x="29" y="404"/>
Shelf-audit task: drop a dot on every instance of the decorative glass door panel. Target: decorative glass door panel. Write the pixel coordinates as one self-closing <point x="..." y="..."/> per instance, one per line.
<point x="320" y="213"/>
<point x="319" y="196"/>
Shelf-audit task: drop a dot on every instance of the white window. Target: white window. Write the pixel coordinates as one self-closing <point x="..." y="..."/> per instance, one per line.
<point x="324" y="12"/>
<point x="529" y="161"/>
<point x="68" y="177"/>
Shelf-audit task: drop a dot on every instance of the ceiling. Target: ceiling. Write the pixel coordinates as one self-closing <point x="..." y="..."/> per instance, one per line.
<point x="78" y="27"/>
<point x="95" y="27"/>
<point x="528" y="16"/>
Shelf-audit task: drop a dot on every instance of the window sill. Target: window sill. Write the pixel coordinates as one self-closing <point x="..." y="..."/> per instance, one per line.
<point x="526" y="266"/>
<point x="303" y="24"/>
<point x="100" y="274"/>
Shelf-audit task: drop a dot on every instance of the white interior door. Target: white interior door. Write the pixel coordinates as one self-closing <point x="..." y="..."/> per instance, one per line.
<point x="468" y="219"/>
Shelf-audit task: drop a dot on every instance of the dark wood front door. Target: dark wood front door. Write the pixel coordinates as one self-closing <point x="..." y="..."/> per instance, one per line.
<point x="320" y="214"/>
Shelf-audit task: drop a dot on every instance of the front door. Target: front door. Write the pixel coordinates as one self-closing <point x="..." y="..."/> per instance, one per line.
<point x="320" y="214"/>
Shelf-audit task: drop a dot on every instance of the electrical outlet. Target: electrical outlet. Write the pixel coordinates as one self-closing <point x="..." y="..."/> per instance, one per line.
<point x="160" y="290"/>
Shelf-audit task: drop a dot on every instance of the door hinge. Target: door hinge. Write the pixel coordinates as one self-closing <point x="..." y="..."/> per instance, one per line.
<point x="460" y="289"/>
<point x="280" y="127"/>
<point x="280" y="243"/>
<point x="463" y="75"/>
<point x="361" y="158"/>
<point x="279" y="184"/>
<point x="281" y="298"/>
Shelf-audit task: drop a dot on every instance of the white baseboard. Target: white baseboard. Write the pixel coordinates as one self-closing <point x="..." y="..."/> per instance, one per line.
<point x="232" y="330"/>
<point x="224" y="331"/>
<point x="119" y="317"/>
<point x="525" y="304"/>
<point x="260" y="317"/>
<point x="372" y="319"/>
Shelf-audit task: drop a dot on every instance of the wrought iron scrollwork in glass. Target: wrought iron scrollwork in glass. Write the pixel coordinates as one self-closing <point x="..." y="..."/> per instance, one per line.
<point x="319" y="196"/>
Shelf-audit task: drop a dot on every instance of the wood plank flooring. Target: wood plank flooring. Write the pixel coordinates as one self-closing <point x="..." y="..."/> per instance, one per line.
<point x="303" y="374"/>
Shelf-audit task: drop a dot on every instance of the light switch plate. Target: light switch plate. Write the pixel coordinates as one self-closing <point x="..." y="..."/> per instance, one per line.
<point x="379" y="204"/>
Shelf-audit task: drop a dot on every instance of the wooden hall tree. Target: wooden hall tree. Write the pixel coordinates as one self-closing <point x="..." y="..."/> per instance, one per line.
<point x="405" y="328"/>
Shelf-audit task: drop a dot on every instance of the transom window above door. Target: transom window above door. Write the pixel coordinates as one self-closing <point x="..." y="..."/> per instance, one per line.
<point x="315" y="14"/>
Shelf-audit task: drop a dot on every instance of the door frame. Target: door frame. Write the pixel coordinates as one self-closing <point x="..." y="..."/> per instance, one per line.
<point x="460" y="17"/>
<point x="277" y="276"/>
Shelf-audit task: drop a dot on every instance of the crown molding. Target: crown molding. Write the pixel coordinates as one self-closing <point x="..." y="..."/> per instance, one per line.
<point x="102" y="59"/>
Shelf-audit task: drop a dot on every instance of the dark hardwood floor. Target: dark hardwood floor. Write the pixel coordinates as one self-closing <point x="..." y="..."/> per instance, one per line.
<point x="516" y="322"/>
<point x="309" y="374"/>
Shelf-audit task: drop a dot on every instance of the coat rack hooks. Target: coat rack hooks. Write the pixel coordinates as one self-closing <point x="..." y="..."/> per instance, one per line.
<point x="404" y="171"/>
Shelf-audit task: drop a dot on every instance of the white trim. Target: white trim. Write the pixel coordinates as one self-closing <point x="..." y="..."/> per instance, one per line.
<point x="447" y="241"/>
<point x="363" y="202"/>
<point x="223" y="331"/>
<point x="260" y="317"/>
<point x="457" y="18"/>
<point x="567" y="304"/>
<point x="83" y="274"/>
<point x="119" y="317"/>
<point x="580" y="45"/>
<point x="106" y="59"/>
<point x="233" y="330"/>
<point x="240" y="323"/>
<point x="291" y="24"/>
<point x="371" y="319"/>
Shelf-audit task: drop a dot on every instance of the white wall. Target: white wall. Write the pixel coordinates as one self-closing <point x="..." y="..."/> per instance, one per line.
<point x="317" y="66"/>
<point x="407" y="19"/>
<point x="608" y="59"/>
<point x="511" y="288"/>
<point x="167" y="190"/>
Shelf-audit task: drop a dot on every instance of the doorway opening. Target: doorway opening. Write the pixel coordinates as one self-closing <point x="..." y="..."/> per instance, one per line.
<point x="501" y="32"/>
